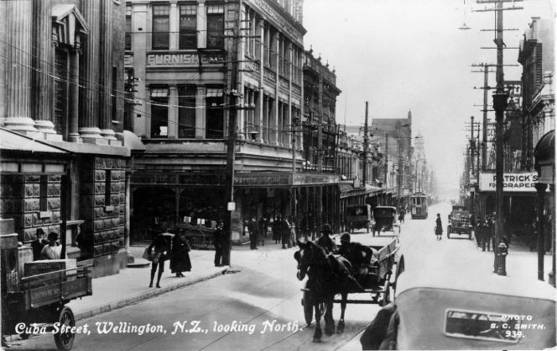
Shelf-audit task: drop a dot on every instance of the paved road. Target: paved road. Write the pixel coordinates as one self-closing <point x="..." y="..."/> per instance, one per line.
<point x="260" y="302"/>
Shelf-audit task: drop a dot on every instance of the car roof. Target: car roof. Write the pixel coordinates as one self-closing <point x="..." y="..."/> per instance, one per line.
<point x="391" y="207"/>
<point x="480" y="281"/>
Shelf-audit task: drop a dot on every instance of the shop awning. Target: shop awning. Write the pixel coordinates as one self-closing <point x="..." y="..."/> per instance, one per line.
<point x="544" y="154"/>
<point x="347" y="190"/>
<point x="545" y="149"/>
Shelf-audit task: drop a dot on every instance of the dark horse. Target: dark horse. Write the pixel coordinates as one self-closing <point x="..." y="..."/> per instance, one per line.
<point x="327" y="276"/>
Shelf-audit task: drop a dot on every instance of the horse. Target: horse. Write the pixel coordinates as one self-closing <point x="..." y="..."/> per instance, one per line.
<point x="327" y="276"/>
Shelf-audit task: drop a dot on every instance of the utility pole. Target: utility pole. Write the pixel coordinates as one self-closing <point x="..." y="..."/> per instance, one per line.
<point x="500" y="102"/>
<point x="232" y="96"/>
<point x="366" y="146"/>
<point x="386" y="158"/>
<point x="484" y="119"/>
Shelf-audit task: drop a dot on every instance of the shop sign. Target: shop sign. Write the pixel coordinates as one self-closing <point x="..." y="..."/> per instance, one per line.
<point x="261" y="179"/>
<point x="512" y="182"/>
<point x="301" y="179"/>
<point x="184" y="59"/>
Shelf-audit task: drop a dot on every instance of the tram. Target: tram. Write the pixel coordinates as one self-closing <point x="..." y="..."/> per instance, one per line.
<point x="418" y="203"/>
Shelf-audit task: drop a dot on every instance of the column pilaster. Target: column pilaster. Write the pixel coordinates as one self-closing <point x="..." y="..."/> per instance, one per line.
<point x="174" y="26"/>
<point x="43" y="52"/>
<point x="18" y="75"/>
<point x="89" y="113"/>
<point x="201" y="25"/>
<point x="173" y="112"/>
<point x="200" y="113"/>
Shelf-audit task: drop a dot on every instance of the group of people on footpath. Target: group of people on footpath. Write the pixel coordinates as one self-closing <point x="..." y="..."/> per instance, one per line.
<point x="281" y="230"/>
<point x="485" y="233"/>
<point x="176" y="250"/>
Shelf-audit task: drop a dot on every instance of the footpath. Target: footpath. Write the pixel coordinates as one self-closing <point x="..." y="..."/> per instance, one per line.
<point x="131" y="285"/>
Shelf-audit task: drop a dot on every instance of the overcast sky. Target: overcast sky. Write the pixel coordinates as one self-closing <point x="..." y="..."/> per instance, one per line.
<point x="405" y="55"/>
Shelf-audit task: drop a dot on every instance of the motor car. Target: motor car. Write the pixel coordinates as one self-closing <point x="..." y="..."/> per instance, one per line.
<point x="459" y="222"/>
<point x="358" y="217"/>
<point x="439" y="311"/>
<point x="385" y="218"/>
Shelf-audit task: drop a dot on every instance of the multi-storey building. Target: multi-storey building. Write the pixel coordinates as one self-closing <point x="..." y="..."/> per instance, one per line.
<point x="319" y="127"/>
<point x="394" y="138"/>
<point x="189" y="61"/>
<point x="536" y="55"/>
<point x="64" y="154"/>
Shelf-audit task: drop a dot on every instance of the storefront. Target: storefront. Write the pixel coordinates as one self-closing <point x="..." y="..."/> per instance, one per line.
<point x="519" y="199"/>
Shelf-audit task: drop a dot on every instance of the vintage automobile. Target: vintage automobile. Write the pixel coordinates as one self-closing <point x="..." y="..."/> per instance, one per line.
<point x="358" y="217"/>
<point x="439" y="311"/>
<point x="385" y="218"/>
<point x="459" y="222"/>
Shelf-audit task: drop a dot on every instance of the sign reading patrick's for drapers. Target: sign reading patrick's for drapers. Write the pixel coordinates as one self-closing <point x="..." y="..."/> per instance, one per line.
<point x="512" y="182"/>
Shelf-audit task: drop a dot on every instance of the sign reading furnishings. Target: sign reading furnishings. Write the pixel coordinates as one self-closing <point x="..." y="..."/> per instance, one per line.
<point x="184" y="59"/>
<point x="512" y="182"/>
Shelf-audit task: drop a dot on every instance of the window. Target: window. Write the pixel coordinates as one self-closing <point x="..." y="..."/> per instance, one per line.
<point x="215" y="27"/>
<point x="161" y="26"/>
<point x="186" y="111"/>
<point x="107" y="186"/>
<point x="159" y="112"/>
<point x="43" y="193"/>
<point x="128" y="39"/>
<point x="61" y="91"/>
<point x="215" y="113"/>
<point x="188" y="27"/>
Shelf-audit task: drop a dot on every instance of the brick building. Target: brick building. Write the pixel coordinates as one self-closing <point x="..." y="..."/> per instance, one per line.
<point x="64" y="152"/>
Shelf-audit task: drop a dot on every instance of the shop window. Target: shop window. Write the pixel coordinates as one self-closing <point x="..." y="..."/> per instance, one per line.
<point x="215" y="113"/>
<point x="128" y="37"/>
<point x="161" y="27"/>
<point x="188" y="27"/>
<point x="43" y="193"/>
<point x="215" y="27"/>
<point x="107" y="187"/>
<point x="186" y="112"/>
<point x="159" y="112"/>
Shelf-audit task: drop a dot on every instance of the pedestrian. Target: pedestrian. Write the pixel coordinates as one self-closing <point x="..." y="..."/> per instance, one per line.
<point x="218" y="242"/>
<point x="438" y="227"/>
<point x="52" y="250"/>
<point x="253" y="228"/>
<point x="401" y="216"/>
<point x="285" y="232"/>
<point x="276" y="230"/>
<point x="158" y="251"/>
<point x="180" y="257"/>
<point x="262" y="230"/>
<point x="325" y="240"/>
<point x="38" y="244"/>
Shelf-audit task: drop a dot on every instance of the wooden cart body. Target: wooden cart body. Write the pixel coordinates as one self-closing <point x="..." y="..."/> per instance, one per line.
<point x="41" y="299"/>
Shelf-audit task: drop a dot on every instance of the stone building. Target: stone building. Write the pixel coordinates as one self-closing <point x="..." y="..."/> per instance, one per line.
<point x="188" y="61"/>
<point x="64" y="152"/>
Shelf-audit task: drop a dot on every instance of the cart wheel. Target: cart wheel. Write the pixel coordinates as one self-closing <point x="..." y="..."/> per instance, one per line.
<point x="64" y="341"/>
<point x="308" y="307"/>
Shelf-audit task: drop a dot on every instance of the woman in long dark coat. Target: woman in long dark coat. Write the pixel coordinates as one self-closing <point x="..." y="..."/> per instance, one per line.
<point x="180" y="258"/>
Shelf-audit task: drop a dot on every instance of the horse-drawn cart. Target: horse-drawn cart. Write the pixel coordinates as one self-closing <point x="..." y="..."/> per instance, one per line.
<point x="374" y="272"/>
